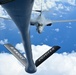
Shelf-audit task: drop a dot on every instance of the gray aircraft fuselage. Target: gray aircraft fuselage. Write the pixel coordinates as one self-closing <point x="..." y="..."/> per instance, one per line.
<point x="20" y="12"/>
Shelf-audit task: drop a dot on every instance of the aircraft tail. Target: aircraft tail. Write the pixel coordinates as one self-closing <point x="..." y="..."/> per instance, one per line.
<point x="40" y="11"/>
<point x="16" y="53"/>
<point x="46" y="55"/>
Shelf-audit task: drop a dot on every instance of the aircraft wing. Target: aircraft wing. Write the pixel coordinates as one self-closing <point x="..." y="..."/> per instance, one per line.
<point x="3" y="17"/>
<point x="49" y="22"/>
<point x="32" y="22"/>
<point x="16" y="53"/>
<point x="37" y="11"/>
<point x="56" y="21"/>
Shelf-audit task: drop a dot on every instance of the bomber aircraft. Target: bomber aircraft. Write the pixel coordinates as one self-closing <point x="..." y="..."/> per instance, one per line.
<point x="40" y="22"/>
<point x="20" y="12"/>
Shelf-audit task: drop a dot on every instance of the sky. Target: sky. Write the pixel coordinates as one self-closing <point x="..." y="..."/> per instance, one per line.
<point x="63" y="62"/>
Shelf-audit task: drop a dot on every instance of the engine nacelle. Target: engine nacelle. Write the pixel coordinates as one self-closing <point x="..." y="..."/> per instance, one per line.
<point x="49" y="24"/>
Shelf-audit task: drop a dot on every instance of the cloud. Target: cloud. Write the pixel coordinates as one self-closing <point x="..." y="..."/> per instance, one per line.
<point x="57" y="64"/>
<point x="52" y="6"/>
<point x="72" y="2"/>
<point x="2" y="24"/>
<point x="9" y="65"/>
<point x="3" y="13"/>
<point x="20" y="47"/>
<point x="57" y="30"/>
<point x="47" y="4"/>
<point x="68" y="26"/>
<point x="4" y="41"/>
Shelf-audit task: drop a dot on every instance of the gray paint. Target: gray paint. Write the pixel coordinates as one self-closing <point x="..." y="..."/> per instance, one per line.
<point x="20" y="12"/>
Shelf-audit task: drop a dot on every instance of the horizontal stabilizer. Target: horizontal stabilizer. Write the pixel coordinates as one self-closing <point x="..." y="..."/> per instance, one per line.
<point x="5" y="1"/>
<point x="37" y="10"/>
<point x="46" y="55"/>
<point x="16" y="53"/>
